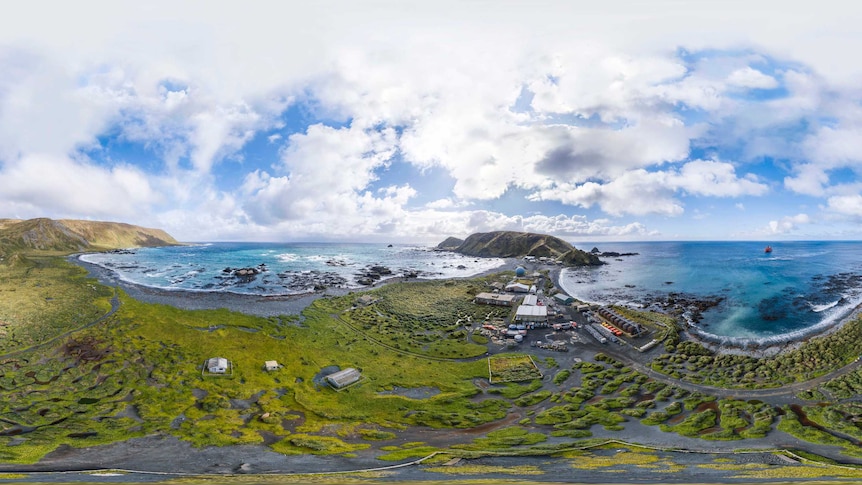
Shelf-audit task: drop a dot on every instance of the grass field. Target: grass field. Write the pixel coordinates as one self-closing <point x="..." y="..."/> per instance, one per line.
<point x="138" y="372"/>
<point x="44" y="296"/>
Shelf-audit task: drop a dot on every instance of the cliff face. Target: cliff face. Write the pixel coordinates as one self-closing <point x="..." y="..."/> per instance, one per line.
<point x="73" y="235"/>
<point x="510" y="244"/>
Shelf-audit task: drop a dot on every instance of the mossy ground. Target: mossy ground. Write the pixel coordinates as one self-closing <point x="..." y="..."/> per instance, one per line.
<point x="44" y="296"/>
<point x="138" y="372"/>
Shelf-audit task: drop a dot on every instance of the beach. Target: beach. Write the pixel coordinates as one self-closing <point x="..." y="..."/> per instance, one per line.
<point x="259" y="305"/>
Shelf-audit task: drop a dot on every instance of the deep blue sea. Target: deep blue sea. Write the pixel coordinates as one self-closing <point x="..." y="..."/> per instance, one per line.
<point x="796" y="287"/>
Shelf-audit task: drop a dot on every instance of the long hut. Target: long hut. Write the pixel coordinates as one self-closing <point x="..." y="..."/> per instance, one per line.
<point x="343" y="378"/>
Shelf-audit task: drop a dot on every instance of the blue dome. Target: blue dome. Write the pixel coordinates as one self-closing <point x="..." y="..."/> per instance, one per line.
<point x="520" y="271"/>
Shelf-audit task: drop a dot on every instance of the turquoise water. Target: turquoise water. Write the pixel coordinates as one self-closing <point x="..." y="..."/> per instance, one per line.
<point x="798" y="286"/>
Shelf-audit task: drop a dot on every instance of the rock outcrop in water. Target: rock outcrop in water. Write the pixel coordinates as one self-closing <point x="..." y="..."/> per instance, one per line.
<point x="511" y="244"/>
<point x="610" y="254"/>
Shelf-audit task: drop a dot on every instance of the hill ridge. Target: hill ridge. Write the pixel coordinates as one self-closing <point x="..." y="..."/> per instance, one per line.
<point x="512" y="244"/>
<point x="72" y="235"/>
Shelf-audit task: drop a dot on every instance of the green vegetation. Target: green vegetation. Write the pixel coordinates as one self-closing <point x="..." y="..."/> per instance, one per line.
<point x="138" y="372"/>
<point x="406" y="451"/>
<point x="504" y="438"/>
<point x="846" y="386"/>
<point x="511" y="390"/>
<point x="66" y="236"/>
<point x="693" y="362"/>
<point x="562" y="376"/>
<point x="510" y="244"/>
<point x="78" y="379"/>
<point x="426" y="318"/>
<point x="512" y="368"/>
<point x="532" y="399"/>
<point x="44" y="297"/>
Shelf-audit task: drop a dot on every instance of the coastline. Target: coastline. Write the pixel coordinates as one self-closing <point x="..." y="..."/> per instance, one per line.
<point x="258" y="305"/>
<point x="275" y="305"/>
<point x="752" y="346"/>
<point x="161" y="450"/>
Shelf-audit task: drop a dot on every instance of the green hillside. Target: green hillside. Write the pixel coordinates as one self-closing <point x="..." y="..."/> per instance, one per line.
<point x="67" y="236"/>
<point x="511" y="244"/>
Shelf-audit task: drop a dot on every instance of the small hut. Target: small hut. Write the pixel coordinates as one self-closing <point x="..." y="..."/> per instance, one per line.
<point x="271" y="365"/>
<point x="343" y="378"/>
<point x="217" y="365"/>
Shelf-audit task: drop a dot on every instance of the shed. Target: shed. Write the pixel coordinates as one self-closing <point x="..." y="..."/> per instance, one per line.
<point x="563" y="298"/>
<point x="495" y="299"/>
<point x="532" y="314"/>
<point x="217" y="365"/>
<point x="271" y="365"/>
<point x="518" y="288"/>
<point x="343" y="378"/>
<point x="530" y="300"/>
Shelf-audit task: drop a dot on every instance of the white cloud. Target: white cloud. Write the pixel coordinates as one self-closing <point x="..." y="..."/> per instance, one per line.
<point x="787" y="224"/>
<point x="809" y="179"/>
<point x="35" y="184"/>
<point x="614" y="98"/>
<point x="714" y="179"/>
<point x="751" y="78"/>
<point x="325" y="174"/>
<point x="641" y="192"/>
<point x="846" y="205"/>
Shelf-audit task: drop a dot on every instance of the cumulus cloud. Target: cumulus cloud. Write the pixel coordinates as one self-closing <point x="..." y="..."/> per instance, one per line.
<point x="323" y="175"/>
<point x="582" y="115"/>
<point x="809" y="179"/>
<point x="787" y="224"/>
<point x="748" y="77"/>
<point x="641" y="192"/>
<point x="38" y="183"/>
<point x="846" y="205"/>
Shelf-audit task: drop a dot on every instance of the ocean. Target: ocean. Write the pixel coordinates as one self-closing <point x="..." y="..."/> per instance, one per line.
<point x="283" y="269"/>
<point x="797" y="287"/>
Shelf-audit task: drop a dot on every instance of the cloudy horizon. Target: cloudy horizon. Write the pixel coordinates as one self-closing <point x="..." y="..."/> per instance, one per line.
<point x="414" y="121"/>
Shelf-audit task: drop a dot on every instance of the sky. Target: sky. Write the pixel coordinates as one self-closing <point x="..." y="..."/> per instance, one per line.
<point x="409" y="121"/>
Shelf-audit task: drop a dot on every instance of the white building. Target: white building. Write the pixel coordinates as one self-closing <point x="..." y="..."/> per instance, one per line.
<point x="530" y="300"/>
<point x="518" y="288"/>
<point x="343" y="378"/>
<point x="218" y="365"/>
<point x="271" y="365"/>
<point x="535" y="314"/>
<point x="495" y="299"/>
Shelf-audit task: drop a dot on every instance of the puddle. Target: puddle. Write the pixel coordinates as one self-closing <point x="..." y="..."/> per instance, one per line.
<point x="318" y="379"/>
<point x="412" y="392"/>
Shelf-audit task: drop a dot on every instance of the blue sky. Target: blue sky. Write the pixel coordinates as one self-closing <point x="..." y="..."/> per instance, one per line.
<point x="413" y="121"/>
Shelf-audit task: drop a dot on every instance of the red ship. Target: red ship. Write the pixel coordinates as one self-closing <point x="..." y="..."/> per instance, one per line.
<point x="768" y="249"/>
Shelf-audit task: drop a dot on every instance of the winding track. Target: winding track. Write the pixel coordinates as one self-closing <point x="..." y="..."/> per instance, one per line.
<point x="115" y="306"/>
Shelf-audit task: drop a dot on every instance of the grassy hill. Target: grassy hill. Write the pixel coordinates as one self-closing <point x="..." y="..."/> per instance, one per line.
<point x="509" y="244"/>
<point x="67" y="235"/>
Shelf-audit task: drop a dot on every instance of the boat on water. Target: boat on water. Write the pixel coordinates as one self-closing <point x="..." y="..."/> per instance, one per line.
<point x="768" y="249"/>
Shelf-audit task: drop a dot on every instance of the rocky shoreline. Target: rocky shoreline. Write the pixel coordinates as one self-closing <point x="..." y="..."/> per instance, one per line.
<point x="259" y="305"/>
